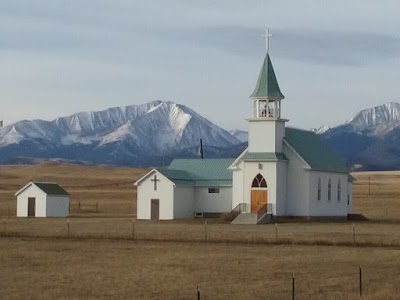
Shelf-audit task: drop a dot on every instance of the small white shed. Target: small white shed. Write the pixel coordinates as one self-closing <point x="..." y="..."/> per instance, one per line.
<point x="42" y="199"/>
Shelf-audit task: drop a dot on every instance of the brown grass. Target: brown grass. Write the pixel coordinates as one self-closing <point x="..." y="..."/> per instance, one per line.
<point x="377" y="195"/>
<point x="110" y="187"/>
<point x="101" y="260"/>
<point x="306" y="233"/>
<point x="50" y="269"/>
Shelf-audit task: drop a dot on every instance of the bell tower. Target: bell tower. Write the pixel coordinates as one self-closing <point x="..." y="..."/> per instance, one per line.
<point x="266" y="126"/>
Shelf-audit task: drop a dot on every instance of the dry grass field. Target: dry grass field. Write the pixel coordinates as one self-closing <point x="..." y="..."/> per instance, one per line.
<point x="110" y="187"/>
<point x="377" y="195"/>
<point x="107" y="255"/>
<point x="104" y="269"/>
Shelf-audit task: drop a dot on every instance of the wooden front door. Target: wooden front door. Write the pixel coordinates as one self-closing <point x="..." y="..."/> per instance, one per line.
<point x="31" y="207"/>
<point x="155" y="210"/>
<point x="258" y="199"/>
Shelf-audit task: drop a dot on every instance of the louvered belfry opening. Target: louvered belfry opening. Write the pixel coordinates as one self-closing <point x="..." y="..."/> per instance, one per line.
<point x="259" y="182"/>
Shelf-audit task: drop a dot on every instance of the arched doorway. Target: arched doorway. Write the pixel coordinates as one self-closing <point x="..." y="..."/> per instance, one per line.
<point x="259" y="193"/>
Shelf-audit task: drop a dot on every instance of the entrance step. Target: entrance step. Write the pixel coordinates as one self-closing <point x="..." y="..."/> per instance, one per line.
<point x="251" y="218"/>
<point x="245" y="218"/>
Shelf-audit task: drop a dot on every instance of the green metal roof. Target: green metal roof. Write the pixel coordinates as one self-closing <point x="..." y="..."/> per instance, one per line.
<point x="51" y="188"/>
<point x="316" y="153"/>
<point x="264" y="156"/>
<point x="177" y="176"/>
<point x="267" y="85"/>
<point x="200" y="172"/>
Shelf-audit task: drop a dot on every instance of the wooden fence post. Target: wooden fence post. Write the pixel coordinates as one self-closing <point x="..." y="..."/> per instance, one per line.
<point x="276" y="231"/>
<point x="360" y="275"/>
<point x="79" y="205"/>
<point x="205" y="232"/>
<point x="4" y="226"/>
<point x="68" y="227"/>
<point x="198" y="293"/>
<point x="293" y="287"/>
<point x="354" y="234"/>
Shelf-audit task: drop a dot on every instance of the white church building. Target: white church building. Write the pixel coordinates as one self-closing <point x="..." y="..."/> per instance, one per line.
<point x="283" y="172"/>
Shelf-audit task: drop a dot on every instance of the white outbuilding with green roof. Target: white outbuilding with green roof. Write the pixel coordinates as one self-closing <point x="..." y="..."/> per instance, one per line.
<point x="42" y="199"/>
<point x="283" y="172"/>
<point x="187" y="188"/>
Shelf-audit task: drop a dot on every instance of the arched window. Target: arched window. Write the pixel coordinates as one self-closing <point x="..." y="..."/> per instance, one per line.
<point x="319" y="189"/>
<point x="339" y="191"/>
<point x="259" y="182"/>
<point x="329" y="189"/>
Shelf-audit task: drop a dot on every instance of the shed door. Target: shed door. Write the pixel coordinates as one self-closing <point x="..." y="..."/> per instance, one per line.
<point x="31" y="207"/>
<point x="155" y="209"/>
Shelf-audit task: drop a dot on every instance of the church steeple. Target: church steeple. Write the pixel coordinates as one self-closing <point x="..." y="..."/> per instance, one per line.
<point x="267" y="86"/>
<point x="266" y="126"/>
<point x="267" y="95"/>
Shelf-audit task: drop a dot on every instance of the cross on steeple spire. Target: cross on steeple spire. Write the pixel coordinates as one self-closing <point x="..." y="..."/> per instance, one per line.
<point x="267" y="35"/>
<point x="267" y="85"/>
<point x="267" y="95"/>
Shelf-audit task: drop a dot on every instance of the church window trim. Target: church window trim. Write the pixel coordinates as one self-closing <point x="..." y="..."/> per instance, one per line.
<point x="329" y="190"/>
<point x="319" y="190"/>
<point x="339" y="191"/>
<point x="259" y="182"/>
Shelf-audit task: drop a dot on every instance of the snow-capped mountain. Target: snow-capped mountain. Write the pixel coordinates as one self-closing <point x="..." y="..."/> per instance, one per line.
<point x="153" y="133"/>
<point x="241" y="135"/>
<point x="378" y="120"/>
<point x="371" y="138"/>
<point x="321" y="129"/>
<point x="120" y="134"/>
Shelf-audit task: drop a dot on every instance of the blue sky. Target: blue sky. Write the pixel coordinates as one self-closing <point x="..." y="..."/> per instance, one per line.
<point x="332" y="59"/>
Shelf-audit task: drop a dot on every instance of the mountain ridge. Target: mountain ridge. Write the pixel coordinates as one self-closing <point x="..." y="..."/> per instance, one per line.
<point x="156" y="132"/>
<point x="367" y="139"/>
<point x="120" y="134"/>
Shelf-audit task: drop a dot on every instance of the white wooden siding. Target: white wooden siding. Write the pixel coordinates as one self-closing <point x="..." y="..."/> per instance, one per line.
<point x="350" y="194"/>
<point x="183" y="202"/>
<point x="215" y="202"/>
<point x="281" y="188"/>
<point x="57" y="206"/>
<point x="260" y="129"/>
<point x="164" y="192"/>
<point x="325" y="207"/>
<point x="40" y="201"/>
<point x="297" y="203"/>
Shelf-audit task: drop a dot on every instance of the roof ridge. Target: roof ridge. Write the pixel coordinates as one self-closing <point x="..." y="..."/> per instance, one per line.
<point x="312" y="149"/>
<point x="299" y="129"/>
